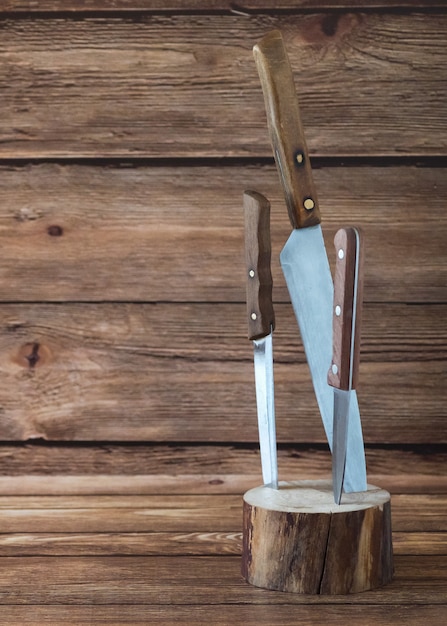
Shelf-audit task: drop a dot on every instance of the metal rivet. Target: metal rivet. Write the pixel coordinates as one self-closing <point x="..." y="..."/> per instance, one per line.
<point x="309" y="204"/>
<point x="334" y="369"/>
<point x="251" y="273"/>
<point x="254" y="316"/>
<point x="341" y="254"/>
<point x="338" y="310"/>
<point x="299" y="158"/>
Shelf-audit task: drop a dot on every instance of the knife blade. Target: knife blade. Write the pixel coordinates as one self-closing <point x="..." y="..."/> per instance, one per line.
<point x="261" y="323"/>
<point x="304" y="259"/>
<point x="343" y="373"/>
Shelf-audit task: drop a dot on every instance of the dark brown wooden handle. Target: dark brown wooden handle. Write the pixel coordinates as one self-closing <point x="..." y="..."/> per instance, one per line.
<point x="286" y="132"/>
<point x="261" y="318"/>
<point x="348" y="297"/>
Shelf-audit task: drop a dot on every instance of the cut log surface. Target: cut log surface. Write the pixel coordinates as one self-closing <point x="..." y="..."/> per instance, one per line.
<point x="297" y="539"/>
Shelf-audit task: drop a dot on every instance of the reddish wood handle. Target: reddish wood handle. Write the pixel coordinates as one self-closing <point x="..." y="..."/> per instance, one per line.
<point x="261" y="318"/>
<point x="348" y="297"/>
<point x="286" y="132"/>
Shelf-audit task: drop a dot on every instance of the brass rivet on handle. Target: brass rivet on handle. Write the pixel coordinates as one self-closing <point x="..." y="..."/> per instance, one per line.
<point x="309" y="204"/>
<point x="299" y="158"/>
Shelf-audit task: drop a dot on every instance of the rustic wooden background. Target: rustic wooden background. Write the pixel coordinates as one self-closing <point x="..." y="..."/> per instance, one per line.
<point x="127" y="140"/>
<point x="128" y="132"/>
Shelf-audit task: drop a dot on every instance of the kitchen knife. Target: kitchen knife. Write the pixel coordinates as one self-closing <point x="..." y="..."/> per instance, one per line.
<point x="303" y="258"/>
<point x="261" y="322"/>
<point x="343" y="373"/>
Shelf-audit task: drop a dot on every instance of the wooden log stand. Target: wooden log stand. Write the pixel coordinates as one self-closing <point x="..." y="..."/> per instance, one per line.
<point x="296" y="539"/>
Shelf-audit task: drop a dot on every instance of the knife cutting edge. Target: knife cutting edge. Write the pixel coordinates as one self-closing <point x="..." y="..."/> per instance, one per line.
<point x="261" y="323"/>
<point x="343" y="373"/>
<point x="303" y="258"/>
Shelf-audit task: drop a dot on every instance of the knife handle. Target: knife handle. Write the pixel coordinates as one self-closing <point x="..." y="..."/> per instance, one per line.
<point x="286" y="132"/>
<point x="261" y="317"/>
<point x="348" y="297"/>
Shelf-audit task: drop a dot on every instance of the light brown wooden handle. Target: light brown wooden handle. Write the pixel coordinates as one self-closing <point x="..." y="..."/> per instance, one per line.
<point x="261" y="318"/>
<point x="348" y="297"/>
<point x="286" y="132"/>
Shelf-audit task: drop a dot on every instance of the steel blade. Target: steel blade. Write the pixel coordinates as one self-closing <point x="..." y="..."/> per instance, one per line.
<point x="263" y="362"/>
<point x="340" y="440"/>
<point x="309" y="281"/>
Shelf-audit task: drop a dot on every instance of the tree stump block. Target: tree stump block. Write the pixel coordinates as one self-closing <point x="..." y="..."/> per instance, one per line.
<point x="296" y="539"/>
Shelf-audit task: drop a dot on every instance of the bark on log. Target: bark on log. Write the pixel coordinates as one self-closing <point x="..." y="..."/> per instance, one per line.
<point x="296" y="539"/>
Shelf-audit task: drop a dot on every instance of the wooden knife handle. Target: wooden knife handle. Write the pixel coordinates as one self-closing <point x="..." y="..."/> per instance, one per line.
<point x="348" y="297"/>
<point x="286" y="132"/>
<point x="261" y="318"/>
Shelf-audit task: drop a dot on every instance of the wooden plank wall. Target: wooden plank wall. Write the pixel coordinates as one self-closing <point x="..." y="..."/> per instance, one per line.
<point x="128" y="132"/>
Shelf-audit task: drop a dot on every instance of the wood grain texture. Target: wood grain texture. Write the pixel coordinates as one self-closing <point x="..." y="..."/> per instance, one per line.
<point x="209" y="483"/>
<point x="205" y="543"/>
<point x="188" y="401"/>
<point x="135" y="255"/>
<point x="258" y="256"/>
<point x="369" y="84"/>
<point x="112" y="469"/>
<point x="59" y="560"/>
<point x="176" y="233"/>
<point x="69" y="373"/>
<point x="248" y="6"/>
<point x="255" y="614"/>
<point x="126" y="462"/>
<point x="347" y="308"/>
<point x="165" y="581"/>
<point x="418" y="580"/>
<point x="177" y="513"/>
<point x="286" y="130"/>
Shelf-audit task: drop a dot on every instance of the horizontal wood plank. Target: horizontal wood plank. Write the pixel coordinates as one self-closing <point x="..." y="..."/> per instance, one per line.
<point x="170" y="372"/>
<point x="190" y="483"/>
<point x="206" y="470"/>
<point x="129" y="544"/>
<point x="203" y="514"/>
<point x="187" y="401"/>
<point x="95" y="233"/>
<point x="188" y="514"/>
<point x="237" y="614"/>
<point x="174" y="543"/>
<point x="419" y="543"/>
<point x="167" y="581"/>
<point x="369" y="84"/>
<point x="245" y="8"/>
<point x="195" y="332"/>
<point x="38" y="469"/>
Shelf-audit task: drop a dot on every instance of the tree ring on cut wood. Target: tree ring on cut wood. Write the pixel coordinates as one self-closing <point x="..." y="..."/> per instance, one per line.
<point x="296" y="539"/>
